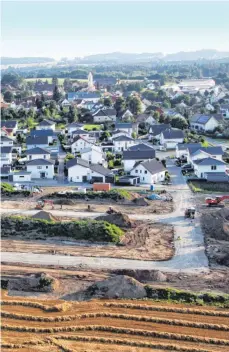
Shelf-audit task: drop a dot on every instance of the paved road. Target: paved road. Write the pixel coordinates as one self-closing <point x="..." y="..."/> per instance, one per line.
<point x="189" y="244"/>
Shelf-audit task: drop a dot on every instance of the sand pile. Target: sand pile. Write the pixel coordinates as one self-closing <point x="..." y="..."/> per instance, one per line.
<point x="118" y="219"/>
<point x="44" y="215"/>
<point x="120" y="286"/>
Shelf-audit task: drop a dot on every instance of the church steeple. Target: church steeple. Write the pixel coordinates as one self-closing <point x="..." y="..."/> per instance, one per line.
<point x="90" y="82"/>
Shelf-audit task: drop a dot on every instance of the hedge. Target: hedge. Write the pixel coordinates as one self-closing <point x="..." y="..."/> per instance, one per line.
<point x="90" y="230"/>
<point x="116" y="195"/>
<point x="8" y="190"/>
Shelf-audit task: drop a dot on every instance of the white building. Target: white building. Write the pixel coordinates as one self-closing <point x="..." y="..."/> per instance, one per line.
<point x="208" y="165"/>
<point x="21" y="176"/>
<point x="90" y="82"/>
<point x="46" y="125"/>
<point x="74" y="126"/>
<point x="79" y="144"/>
<point x="6" y="142"/>
<point x="182" y="149"/>
<point x="6" y="156"/>
<point x="171" y="137"/>
<point x="224" y="109"/>
<point x="37" y="153"/>
<point x="104" y="115"/>
<point x="196" y="153"/>
<point x="125" y="127"/>
<point x="40" y="168"/>
<point x="150" y="172"/>
<point x="80" y="170"/>
<point x="122" y="143"/>
<point x="203" y="123"/>
<point x="132" y="157"/>
<point x="33" y="142"/>
<point x="93" y="155"/>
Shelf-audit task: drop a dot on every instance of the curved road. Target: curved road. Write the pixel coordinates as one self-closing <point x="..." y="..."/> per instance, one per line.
<point x="189" y="243"/>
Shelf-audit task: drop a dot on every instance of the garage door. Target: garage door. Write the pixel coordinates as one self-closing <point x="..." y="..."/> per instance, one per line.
<point x="97" y="179"/>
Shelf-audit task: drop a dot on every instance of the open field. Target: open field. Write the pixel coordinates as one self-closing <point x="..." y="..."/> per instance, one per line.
<point x="126" y="325"/>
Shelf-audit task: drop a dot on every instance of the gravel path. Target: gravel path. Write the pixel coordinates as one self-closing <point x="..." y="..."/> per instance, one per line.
<point x="189" y="243"/>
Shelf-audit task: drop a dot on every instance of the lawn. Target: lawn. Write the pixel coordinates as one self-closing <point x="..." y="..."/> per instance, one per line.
<point x="92" y="127"/>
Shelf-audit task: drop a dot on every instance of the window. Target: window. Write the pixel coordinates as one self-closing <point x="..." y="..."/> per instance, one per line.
<point x="213" y="167"/>
<point x="44" y="156"/>
<point x="143" y="178"/>
<point x="136" y="171"/>
<point x="21" y="176"/>
<point x="47" y="167"/>
<point x="39" y="167"/>
<point x="140" y="171"/>
<point x="145" y="171"/>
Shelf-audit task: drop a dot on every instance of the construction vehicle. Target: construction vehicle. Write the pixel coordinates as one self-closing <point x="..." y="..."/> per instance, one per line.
<point x="215" y="201"/>
<point x="41" y="203"/>
<point x="111" y="211"/>
<point x="190" y="213"/>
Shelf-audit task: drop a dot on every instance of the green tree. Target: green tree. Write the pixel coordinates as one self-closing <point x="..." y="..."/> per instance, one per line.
<point x="30" y="122"/>
<point x="134" y="135"/>
<point x="134" y="104"/>
<point x="56" y="94"/>
<point x="72" y="114"/>
<point x="119" y="105"/>
<point x="156" y="115"/>
<point x="149" y="95"/>
<point x="107" y="101"/>
<point x="39" y="103"/>
<point x="179" y="122"/>
<point x="42" y="97"/>
<point x="167" y="104"/>
<point x="8" y="96"/>
<point x="12" y="79"/>
<point x="55" y="81"/>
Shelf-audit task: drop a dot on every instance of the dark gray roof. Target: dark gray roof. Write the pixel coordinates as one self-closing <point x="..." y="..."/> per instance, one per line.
<point x="100" y="113"/>
<point x="6" y="139"/>
<point x="208" y="161"/>
<point x="153" y="166"/>
<point x="123" y="125"/>
<point x="184" y="146"/>
<point x="5" y="150"/>
<point x="138" y="154"/>
<point x="224" y="106"/>
<point x="39" y="162"/>
<point x="110" y="112"/>
<point x="80" y="132"/>
<point x="5" y="170"/>
<point x="141" y="146"/>
<point x="38" y="133"/>
<point x="37" y="150"/>
<point x="123" y="138"/>
<point x="210" y="150"/>
<point x="46" y="123"/>
<point x="77" y="161"/>
<point x="8" y="123"/>
<point x="200" y="119"/>
<point x="157" y="129"/>
<point x="119" y="131"/>
<point x="30" y="140"/>
<point x="75" y="124"/>
<point x="100" y="169"/>
<point x="173" y="133"/>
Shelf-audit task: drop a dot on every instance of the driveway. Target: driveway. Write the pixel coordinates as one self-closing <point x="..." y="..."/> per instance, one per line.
<point x="189" y="243"/>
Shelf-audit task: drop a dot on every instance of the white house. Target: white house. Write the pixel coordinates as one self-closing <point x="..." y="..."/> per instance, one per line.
<point x="65" y="103"/>
<point x="208" y="165"/>
<point x="79" y="132"/>
<point x="118" y="133"/>
<point x="224" y="109"/>
<point x="155" y="130"/>
<point x="98" y="173"/>
<point x="93" y="155"/>
<point x="196" y="152"/>
<point x="209" y="107"/>
<point x="171" y="137"/>
<point x="125" y="127"/>
<point x="182" y="149"/>
<point x="127" y="114"/>
<point x="151" y="171"/>
<point x="6" y="156"/>
<point x="203" y="123"/>
<point x="40" y="168"/>
<point x="6" y="142"/>
<point x="104" y="115"/>
<point x="122" y="143"/>
<point x="21" y="176"/>
<point x="37" y="153"/>
<point x="79" y="144"/>
<point x="10" y="126"/>
<point x="74" y="126"/>
<point x="46" y="125"/>
<point x="131" y="157"/>
<point x="78" y="170"/>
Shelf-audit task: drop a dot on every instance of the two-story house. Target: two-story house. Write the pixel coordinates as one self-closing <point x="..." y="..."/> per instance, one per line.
<point x="46" y="125"/>
<point x="79" y="143"/>
<point x="171" y="137"/>
<point x="10" y="126"/>
<point x="207" y="165"/>
<point x="37" y="153"/>
<point x="40" y="168"/>
<point x="37" y="141"/>
<point x="80" y="170"/>
<point x="44" y="133"/>
<point x="122" y="143"/>
<point x="6" y="142"/>
<point x="125" y="127"/>
<point x="94" y="155"/>
<point x="6" y="156"/>
<point x="203" y="123"/>
<point x="150" y="171"/>
<point x="131" y="157"/>
<point x="224" y="109"/>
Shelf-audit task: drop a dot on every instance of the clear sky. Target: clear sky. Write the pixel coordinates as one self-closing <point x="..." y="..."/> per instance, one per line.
<point x="69" y="29"/>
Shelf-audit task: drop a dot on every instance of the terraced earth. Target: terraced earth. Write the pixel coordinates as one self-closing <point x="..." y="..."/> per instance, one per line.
<point x="115" y="325"/>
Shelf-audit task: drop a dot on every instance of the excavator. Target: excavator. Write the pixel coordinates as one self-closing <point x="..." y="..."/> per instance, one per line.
<point x="41" y="203"/>
<point x="215" y="201"/>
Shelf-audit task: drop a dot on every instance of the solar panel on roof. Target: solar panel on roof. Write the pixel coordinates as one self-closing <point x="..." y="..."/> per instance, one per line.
<point x="203" y="119"/>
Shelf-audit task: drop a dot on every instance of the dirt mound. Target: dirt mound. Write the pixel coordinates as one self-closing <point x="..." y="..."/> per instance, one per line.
<point x="118" y="219"/>
<point x="141" y="201"/>
<point x="33" y="283"/>
<point x="216" y="224"/>
<point x="143" y="275"/>
<point x="120" y="286"/>
<point x="44" y="215"/>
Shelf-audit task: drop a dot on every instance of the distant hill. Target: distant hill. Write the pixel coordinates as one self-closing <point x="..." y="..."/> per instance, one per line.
<point x="117" y="57"/>
<point x="24" y="60"/>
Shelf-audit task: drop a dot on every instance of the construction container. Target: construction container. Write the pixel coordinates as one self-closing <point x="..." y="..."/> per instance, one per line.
<point x="101" y="187"/>
<point x="152" y="187"/>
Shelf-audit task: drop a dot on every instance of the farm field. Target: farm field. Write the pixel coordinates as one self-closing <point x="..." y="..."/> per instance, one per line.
<point x="30" y="324"/>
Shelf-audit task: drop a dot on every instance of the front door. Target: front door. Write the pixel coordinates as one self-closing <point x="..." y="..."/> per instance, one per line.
<point x="42" y="174"/>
